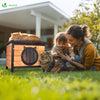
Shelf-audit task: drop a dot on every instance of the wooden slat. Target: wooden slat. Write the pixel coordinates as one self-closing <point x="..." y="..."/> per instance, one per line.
<point x="8" y="55"/>
<point x="8" y="64"/>
<point x="18" y="59"/>
<point x="9" y="49"/>
<point x="8" y="58"/>
<point x="22" y="64"/>
<point x="21" y="47"/>
<point x="17" y="53"/>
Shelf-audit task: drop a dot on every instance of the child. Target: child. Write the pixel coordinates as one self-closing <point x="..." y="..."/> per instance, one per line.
<point x="61" y="46"/>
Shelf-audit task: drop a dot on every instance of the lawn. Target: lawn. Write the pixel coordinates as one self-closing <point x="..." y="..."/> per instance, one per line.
<point x="32" y="84"/>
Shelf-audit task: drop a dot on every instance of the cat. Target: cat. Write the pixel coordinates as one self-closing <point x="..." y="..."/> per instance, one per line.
<point x="24" y="37"/>
<point x="50" y="64"/>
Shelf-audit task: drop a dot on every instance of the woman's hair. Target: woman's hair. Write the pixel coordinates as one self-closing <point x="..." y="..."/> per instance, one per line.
<point x="79" y="31"/>
<point x="60" y="37"/>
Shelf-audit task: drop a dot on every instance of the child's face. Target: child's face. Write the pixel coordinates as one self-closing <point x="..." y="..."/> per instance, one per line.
<point x="61" y="45"/>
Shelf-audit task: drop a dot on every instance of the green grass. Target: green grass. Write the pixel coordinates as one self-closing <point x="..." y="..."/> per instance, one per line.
<point x="32" y="84"/>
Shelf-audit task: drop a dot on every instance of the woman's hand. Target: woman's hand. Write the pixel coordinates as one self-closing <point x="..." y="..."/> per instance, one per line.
<point x="65" y="57"/>
<point x="68" y="58"/>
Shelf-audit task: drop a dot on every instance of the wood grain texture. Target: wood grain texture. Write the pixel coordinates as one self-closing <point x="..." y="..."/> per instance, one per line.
<point x="8" y="55"/>
<point x="18" y="49"/>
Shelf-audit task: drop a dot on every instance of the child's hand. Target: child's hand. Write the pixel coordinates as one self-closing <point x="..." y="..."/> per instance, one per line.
<point x="55" y="54"/>
<point x="65" y="57"/>
<point x="72" y="58"/>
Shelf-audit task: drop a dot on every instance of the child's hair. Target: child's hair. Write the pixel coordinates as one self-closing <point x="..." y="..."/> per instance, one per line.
<point x="60" y="37"/>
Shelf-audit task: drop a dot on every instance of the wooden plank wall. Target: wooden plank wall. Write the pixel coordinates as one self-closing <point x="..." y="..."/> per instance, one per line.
<point x="8" y="55"/>
<point x="18" y="49"/>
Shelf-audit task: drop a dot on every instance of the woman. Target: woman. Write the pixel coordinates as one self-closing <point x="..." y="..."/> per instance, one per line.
<point x="78" y="37"/>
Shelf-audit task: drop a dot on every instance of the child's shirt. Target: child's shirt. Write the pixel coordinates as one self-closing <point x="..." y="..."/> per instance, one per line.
<point x="67" y="50"/>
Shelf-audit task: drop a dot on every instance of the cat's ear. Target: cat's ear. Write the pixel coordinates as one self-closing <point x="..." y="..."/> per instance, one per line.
<point x="41" y="53"/>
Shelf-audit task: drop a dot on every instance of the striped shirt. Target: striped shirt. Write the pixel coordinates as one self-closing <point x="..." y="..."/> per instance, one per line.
<point x="91" y="57"/>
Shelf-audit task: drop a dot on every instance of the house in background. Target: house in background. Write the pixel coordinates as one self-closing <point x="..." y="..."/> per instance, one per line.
<point x="42" y="19"/>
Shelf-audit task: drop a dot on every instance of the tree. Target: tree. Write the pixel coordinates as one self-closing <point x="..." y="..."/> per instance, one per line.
<point x="88" y="14"/>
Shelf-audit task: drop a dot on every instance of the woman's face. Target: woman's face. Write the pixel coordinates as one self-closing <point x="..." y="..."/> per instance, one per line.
<point x="73" y="41"/>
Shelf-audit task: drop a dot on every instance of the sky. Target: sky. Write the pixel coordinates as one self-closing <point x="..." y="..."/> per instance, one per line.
<point x="68" y="6"/>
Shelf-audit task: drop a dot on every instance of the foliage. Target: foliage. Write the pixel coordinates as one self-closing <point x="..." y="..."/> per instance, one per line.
<point x="88" y="14"/>
<point x="32" y="84"/>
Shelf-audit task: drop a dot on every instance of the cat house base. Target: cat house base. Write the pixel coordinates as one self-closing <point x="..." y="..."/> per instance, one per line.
<point x="23" y="54"/>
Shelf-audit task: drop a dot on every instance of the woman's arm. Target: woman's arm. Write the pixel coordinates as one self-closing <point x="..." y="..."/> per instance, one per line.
<point x="77" y="64"/>
<point x="67" y="58"/>
<point x="90" y="54"/>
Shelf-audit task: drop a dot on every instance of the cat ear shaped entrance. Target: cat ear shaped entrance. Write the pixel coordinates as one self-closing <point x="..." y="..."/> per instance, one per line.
<point x="29" y="56"/>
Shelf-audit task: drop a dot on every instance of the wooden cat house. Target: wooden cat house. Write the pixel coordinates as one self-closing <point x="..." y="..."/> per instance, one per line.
<point x="23" y="54"/>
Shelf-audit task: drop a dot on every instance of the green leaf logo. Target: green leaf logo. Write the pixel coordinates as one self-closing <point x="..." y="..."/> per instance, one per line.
<point x="4" y="5"/>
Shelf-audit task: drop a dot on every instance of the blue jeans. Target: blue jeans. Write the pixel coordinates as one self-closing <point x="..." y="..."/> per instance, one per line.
<point x="77" y="59"/>
<point x="93" y="68"/>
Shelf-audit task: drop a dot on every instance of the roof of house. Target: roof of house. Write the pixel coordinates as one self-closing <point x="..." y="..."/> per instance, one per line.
<point x="24" y="17"/>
